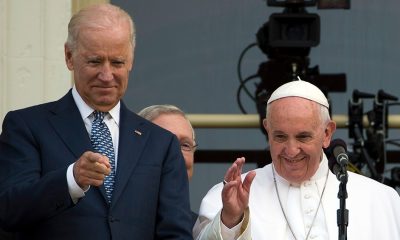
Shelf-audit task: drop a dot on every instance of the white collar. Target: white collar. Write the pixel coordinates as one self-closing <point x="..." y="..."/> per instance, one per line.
<point x="85" y="110"/>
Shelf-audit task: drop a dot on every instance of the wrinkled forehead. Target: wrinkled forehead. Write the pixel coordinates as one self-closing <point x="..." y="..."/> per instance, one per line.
<point x="294" y="109"/>
<point x="294" y="115"/>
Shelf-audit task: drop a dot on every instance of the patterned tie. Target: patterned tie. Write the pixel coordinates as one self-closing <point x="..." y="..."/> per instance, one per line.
<point x="102" y="143"/>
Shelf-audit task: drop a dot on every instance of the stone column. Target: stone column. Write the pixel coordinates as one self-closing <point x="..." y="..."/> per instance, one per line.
<point x="32" y="66"/>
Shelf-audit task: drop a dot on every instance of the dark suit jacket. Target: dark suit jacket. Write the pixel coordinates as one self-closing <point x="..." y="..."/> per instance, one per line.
<point x="37" y="144"/>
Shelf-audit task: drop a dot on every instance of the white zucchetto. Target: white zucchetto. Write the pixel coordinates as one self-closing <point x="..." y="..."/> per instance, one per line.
<point x="299" y="88"/>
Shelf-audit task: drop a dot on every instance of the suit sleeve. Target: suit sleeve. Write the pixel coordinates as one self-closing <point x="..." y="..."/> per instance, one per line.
<point x="174" y="215"/>
<point x="26" y="194"/>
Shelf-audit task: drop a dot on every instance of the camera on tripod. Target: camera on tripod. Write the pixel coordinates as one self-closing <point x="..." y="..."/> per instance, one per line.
<point x="286" y="38"/>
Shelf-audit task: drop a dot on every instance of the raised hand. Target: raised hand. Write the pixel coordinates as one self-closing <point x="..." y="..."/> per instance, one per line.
<point x="235" y="194"/>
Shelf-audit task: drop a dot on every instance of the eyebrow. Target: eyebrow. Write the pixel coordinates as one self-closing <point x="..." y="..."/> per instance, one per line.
<point x="186" y="139"/>
<point x="304" y="133"/>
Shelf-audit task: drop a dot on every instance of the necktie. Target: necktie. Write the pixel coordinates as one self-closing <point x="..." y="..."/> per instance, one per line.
<point x="102" y="143"/>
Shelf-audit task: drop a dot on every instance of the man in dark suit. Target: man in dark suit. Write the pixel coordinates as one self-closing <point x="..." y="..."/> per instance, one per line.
<point x="52" y="178"/>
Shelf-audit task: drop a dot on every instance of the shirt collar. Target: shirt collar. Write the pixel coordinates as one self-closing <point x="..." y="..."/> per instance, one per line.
<point x="85" y="110"/>
<point x="322" y="169"/>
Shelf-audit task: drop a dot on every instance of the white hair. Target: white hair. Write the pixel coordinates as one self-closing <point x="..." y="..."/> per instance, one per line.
<point x="152" y="112"/>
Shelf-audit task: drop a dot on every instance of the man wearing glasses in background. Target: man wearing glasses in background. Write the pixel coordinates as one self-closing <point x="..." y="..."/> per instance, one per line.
<point x="174" y="120"/>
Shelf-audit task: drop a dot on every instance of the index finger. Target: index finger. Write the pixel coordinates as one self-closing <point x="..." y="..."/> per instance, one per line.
<point x="234" y="170"/>
<point x="240" y="163"/>
<point x="98" y="158"/>
<point x="103" y="168"/>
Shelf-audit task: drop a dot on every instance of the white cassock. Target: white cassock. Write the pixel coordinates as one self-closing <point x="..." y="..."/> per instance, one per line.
<point x="374" y="209"/>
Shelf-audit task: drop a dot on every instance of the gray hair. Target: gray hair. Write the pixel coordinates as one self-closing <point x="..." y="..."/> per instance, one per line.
<point x="152" y="112"/>
<point x="98" y="16"/>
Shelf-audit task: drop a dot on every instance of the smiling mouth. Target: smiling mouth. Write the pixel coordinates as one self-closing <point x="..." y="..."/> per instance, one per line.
<point x="293" y="160"/>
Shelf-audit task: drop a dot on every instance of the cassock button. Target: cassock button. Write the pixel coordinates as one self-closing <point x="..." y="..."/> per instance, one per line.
<point x="309" y="211"/>
<point x="307" y="184"/>
<point x="313" y="236"/>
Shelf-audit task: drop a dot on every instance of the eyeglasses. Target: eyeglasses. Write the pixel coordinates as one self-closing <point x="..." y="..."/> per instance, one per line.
<point x="187" y="147"/>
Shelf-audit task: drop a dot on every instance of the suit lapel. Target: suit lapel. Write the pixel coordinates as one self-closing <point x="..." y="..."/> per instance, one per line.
<point x="132" y="139"/>
<point x="67" y="122"/>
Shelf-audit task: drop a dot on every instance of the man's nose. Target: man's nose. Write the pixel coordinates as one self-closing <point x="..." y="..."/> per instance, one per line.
<point x="106" y="72"/>
<point x="292" y="148"/>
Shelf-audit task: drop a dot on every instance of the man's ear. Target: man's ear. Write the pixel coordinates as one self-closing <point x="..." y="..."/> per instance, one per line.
<point x="68" y="57"/>
<point x="265" y="124"/>
<point x="329" y="130"/>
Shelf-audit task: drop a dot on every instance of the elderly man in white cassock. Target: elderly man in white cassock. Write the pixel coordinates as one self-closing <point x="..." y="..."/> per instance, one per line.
<point x="295" y="197"/>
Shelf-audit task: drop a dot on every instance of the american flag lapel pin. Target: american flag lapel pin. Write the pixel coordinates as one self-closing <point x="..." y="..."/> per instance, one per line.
<point x="138" y="132"/>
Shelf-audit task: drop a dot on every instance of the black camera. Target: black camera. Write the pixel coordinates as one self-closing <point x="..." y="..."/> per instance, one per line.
<point x="294" y="30"/>
<point x="295" y="27"/>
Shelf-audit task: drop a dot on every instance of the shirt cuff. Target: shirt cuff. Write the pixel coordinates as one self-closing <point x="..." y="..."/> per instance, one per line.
<point x="75" y="191"/>
<point x="237" y="231"/>
<point x="230" y="233"/>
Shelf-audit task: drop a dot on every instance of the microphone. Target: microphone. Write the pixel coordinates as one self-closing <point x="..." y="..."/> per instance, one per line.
<point x="336" y="169"/>
<point x="338" y="159"/>
<point x="339" y="150"/>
